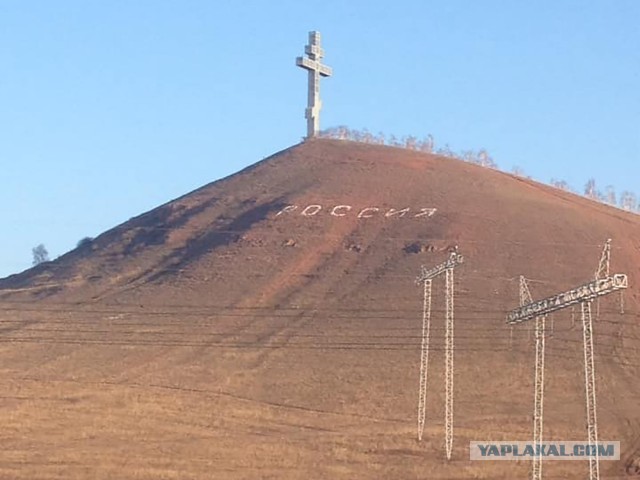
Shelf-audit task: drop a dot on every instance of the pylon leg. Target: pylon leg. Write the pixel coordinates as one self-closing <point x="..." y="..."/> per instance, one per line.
<point x="424" y="357"/>
<point x="449" y="364"/>
<point x="590" y="390"/>
<point x="538" y="401"/>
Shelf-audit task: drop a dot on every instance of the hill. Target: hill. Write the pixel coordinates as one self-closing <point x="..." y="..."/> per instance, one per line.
<point x="267" y="325"/>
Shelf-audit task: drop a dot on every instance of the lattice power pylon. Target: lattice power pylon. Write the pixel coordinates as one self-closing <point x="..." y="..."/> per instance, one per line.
<point x="603" y="284"/>
<point x="426" y="277"/>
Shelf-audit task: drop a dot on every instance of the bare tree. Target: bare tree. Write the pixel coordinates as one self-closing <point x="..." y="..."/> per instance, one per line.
<point x="628" y="201"/>
<point x="40" y="254"/>
<point x="590" y="190"/>
<point x="411" y="142"/>
<point x="518" y="171"/>
<point x="468" y="156"/>
<point x="445" y="151"/>
<point x="486" y="160"/>
<point x="610" y="195"/>
<point x="427" y="144"/>
<point x="561" y="184"/>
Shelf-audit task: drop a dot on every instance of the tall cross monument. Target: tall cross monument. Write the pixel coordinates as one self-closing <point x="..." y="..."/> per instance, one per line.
<point x="313" y="64"/>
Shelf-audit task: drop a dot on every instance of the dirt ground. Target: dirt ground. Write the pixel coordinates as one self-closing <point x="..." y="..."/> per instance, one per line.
<point x="241" y="332"/>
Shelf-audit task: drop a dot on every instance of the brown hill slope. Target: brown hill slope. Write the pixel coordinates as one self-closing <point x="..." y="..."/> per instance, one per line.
<point x="268" y="326"/>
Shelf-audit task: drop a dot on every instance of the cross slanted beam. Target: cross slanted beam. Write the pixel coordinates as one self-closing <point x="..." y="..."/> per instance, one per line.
<point x="313" y="64"/>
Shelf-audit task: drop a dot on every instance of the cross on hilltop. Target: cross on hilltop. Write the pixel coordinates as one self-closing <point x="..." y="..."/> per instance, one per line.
<point x="313" y="64"/>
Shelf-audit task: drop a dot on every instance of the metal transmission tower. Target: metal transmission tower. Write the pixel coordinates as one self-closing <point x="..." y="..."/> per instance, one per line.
<point x="426" y="277"/>
<point x="583" y="295"/>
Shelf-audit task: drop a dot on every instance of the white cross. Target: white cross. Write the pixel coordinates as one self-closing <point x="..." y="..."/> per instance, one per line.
<point x="316" y="69"/>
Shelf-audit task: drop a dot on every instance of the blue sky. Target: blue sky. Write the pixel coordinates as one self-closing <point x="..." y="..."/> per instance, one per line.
<point x="109" y="108"/>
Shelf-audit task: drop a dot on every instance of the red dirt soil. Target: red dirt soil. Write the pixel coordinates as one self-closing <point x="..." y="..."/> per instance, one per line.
<point x="213" y="337"/>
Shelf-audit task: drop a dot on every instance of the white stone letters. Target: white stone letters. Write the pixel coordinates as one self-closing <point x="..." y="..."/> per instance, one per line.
<point x="314" y="210"/>
<point x="287" y="209"/>
<point x="400" y="213"/>
<point x="368" y="212"/>
<point x="311" y="210"/>
<point x="426" y="212"/>
<point x="335" y="213"/>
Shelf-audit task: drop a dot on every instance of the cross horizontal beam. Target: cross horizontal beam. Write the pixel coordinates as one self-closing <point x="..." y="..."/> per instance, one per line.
<point x="454" y="259"/>
<point x="583" y="293"/>
<point x="314" y="65"/>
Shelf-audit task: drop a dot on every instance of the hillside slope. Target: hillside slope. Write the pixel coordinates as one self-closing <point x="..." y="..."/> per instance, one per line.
<point x="268" y="326"/>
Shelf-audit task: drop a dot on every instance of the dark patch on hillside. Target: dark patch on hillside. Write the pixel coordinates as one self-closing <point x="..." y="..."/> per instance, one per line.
<point x="209" y="241"/>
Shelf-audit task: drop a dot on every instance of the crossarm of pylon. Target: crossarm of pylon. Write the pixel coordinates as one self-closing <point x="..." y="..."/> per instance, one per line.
<point x="454" y="259"/>
<point x="586" y="292"/>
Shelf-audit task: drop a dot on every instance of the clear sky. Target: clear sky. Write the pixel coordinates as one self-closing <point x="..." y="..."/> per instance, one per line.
<point x="109" y="108"/>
